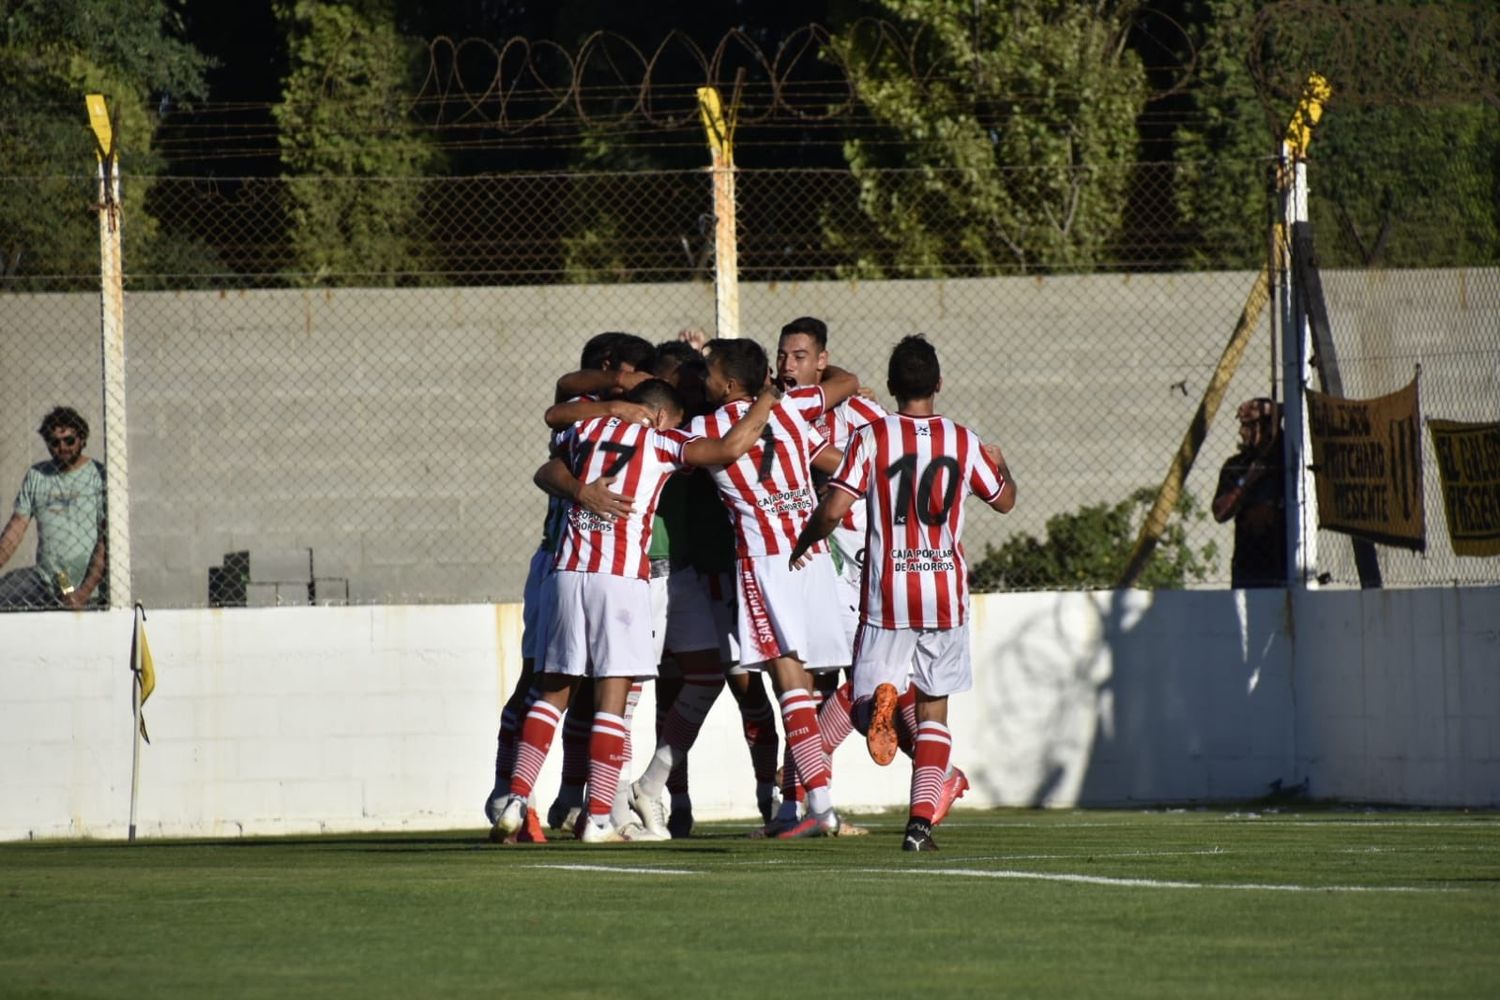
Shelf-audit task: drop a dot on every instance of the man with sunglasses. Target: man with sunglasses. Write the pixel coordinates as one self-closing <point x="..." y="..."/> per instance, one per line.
<point x="65" y="496"/>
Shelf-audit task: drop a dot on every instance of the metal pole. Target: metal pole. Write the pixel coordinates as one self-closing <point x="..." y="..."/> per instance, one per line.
<point x="726" y="251"/>
<point x="135" y="712"/>
<point x="112" y="350"/>
<point x="1296" y="345"/>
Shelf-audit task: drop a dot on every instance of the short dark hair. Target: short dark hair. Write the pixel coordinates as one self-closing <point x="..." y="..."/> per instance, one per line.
<point x="659" y="394"/>
<point x="810" y="325"/>
<point x="913" y="372"/>
<point x="673" y="354"/>
<point x="64" y="416"/>
<point x="638" y="352"/>
<point x="742" y="360"/>
<point x="597" y="351"/>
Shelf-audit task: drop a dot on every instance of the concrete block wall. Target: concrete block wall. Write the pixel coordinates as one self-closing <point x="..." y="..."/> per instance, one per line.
<point x="395" y="431"/>
<point x="300" y="720"/>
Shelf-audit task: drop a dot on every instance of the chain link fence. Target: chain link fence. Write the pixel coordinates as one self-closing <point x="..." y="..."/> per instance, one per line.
<point x="336" y="386"/>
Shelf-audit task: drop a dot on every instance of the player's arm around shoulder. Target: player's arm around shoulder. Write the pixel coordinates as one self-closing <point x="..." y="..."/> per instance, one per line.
<point x="837" y="385"/>
<point x="1006" y="498"/>
<point x="560" y="416"/>
<point x="741" y="437"/>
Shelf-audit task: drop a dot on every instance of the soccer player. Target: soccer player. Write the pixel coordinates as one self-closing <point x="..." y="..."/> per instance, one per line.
<point x="607" y="365"/>
<point x="769" y="495"/>
<point x="600" y="612"/>
<point x="802" y="360"/>
<point x="913" y="469"/>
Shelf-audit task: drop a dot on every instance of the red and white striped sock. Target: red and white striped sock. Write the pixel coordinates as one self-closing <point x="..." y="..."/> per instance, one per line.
<point x="906" y="720"/>
<point x="930" y="764"/>
<point x="508" y="738"/>
<point x="799" y="716"/>
<point x="606" y="759"/>
<point x="537" y="731"/>
<point x="834" y="718"/>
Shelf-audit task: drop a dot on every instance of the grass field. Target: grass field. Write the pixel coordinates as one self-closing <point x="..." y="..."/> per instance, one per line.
<point x="1098" y="903"/>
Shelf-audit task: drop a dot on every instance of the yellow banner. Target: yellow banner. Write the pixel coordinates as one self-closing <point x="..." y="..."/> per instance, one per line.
<point x="1468" y="457"/>
<point x="1367" y="462"/>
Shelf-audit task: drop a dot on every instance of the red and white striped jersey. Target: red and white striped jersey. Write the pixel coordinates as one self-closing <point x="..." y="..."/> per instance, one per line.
<point x="641" y="459"/>
<point x="914" y="473"/>
<point x="837" y="425"/>
<point x="768" y="490"/>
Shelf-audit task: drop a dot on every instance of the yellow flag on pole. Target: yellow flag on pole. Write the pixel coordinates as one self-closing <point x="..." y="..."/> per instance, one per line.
<point x="144" y="669"/>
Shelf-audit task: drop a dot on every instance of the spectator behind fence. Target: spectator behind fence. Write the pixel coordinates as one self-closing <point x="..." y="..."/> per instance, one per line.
<point x="1252" y="491"/>
<point x="65" y="496"/>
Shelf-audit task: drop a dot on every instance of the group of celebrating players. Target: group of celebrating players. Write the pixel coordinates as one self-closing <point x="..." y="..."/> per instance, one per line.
<point x="686" y="542"/>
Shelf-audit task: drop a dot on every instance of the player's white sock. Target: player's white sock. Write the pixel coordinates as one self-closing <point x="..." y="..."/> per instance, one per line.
<point x="654" y="780"/>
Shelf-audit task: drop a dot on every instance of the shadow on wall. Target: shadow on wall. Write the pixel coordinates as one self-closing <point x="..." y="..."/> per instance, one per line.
<point x="1122" y="697"/>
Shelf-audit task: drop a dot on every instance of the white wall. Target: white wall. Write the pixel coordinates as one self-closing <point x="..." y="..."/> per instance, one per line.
<point x="382" y="718"/>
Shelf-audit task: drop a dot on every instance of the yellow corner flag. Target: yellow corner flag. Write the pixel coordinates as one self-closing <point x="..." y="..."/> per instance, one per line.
<point x="142" y="667"/>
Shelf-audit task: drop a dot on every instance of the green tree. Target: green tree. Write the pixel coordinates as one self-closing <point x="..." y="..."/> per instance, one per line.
<point x="352" y="154"/>
<point x="1006" y="135"/>
<point x="1088" y="549"/>
<point x="52" y="54"/>
<point x="1403" y="168"/>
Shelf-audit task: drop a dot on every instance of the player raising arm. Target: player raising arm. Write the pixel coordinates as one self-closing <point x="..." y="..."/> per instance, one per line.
<point x="913" y="469"/>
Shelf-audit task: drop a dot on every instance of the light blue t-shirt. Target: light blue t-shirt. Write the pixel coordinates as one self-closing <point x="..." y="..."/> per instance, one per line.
<point x="68" y="508"/>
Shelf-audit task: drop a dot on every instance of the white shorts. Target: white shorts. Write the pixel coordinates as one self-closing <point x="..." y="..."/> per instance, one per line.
<point x="659" y="605"/>
<point x="600" y="626"/>
<point x="935" y="660"/>
<point x="690" y="613"/>
<point x="787" y="612"/>
<point x="534" y="597"/>
<point x="723" y="601"/>
<point x="849" y="571"/>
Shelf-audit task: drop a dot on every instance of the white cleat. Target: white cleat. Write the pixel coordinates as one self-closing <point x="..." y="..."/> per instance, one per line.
<point x="596" y="833"/>
<point x="636" y="833"/>
<point x="512" y="815"/>
<point x="651" y="811"/>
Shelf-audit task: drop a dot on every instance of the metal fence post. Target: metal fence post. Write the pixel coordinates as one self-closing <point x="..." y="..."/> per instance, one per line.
<point x="112" y="349"/>
<point x="1296" y="342"/>
<point x="726" y="252"/>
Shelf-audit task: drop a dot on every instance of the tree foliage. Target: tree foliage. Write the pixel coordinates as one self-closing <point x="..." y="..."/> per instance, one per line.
<point x="52" y="54"/>
<point x="353" y="154"/>
<point x="1088" y="549"/>
<point x="1007" y="131"/>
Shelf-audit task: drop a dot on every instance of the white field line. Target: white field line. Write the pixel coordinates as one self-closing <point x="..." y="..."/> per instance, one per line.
<point x="619" y="869"/>
<point x="1145" y="883"/>
<point x="957" y="822"/>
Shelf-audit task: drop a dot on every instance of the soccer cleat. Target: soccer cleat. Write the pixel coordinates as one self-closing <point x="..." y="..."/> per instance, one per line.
<point x="591" y="832"/>
<point x="680" y="825"/>
<point x="563" y="816"/>
<point x="531" y="830"/>
<point x="637" y="834"/>
<point x="767" y="799"/>
<point x="882" y="739"/>
<point x="650" y="810"/>
<point x="493" y="804"/>
<point x="512" y="817"/>
<point x="813" y="825"/>
<point x="848" y="829"/>
<point x="954" y="786"/>
<point x="918" y="837"/>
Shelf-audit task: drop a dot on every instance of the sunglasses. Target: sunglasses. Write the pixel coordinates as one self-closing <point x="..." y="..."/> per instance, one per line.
<point x="65" y="441"/>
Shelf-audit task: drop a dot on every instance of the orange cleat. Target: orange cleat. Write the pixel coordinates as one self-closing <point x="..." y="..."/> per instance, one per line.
<point x="531" y="833"/>
<point x="881" y="739"/>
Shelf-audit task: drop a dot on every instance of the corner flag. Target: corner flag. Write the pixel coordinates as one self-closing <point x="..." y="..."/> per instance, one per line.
<point x="142" y="667"/>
